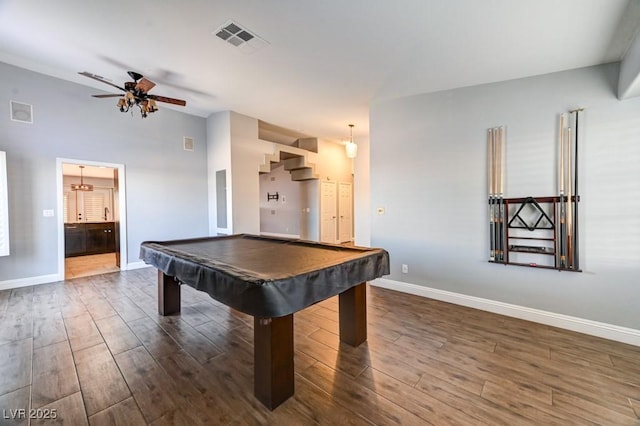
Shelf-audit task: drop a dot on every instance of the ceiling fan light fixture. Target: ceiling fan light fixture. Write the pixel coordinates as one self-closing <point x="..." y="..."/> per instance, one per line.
<point x="136" y="93"/>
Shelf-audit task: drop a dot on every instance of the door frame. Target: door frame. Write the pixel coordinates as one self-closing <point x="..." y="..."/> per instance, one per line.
<point x="122" y="208"/>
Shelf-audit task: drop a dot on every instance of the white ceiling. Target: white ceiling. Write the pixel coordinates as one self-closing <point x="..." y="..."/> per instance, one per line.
<point x="89" y="171"/>
<point x="325" y="61"/>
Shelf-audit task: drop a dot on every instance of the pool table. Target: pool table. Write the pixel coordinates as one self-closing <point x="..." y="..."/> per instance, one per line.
<point x="270" y="279"/>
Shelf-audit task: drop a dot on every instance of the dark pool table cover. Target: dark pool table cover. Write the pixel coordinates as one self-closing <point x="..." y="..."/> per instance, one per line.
<point x="264" y="276"/>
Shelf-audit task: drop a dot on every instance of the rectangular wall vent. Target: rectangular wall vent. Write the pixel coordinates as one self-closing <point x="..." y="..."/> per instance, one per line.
<point x="187" y="143"/>
<point x="21" y="112"/>
<point x="238" y="36"/>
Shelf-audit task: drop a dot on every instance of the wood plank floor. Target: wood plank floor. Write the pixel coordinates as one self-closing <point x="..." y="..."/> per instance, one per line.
<point x="93" y="264"/>
<point x="95" y="350"/>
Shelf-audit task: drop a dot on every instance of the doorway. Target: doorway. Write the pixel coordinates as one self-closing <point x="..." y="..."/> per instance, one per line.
<point x="91" y="206"/>
<point x="328" y="212"/>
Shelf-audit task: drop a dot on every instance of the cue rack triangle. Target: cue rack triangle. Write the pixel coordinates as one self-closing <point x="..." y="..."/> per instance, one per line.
<point x="539" y="232"/>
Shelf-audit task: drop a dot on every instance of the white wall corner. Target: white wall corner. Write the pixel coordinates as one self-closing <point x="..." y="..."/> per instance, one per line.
<point x="629" y="75"/>
<point x="580" y="325"/>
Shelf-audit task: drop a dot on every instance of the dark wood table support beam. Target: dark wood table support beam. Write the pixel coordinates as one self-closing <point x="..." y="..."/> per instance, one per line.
<point x="273" y="360"/>
<point x="168" y="294"/>
<point x="353" y="315"/>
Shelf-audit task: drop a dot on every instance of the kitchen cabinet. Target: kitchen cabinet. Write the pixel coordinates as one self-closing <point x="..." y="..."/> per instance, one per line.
<point x="82" y="239"/>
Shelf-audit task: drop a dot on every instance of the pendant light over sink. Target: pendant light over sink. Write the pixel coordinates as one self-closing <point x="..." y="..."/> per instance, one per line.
<point x="81" y="186"/>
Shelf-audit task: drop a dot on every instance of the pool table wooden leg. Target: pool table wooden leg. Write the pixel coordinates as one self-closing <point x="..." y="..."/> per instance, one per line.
<point x="273" y="360"/>
<point x="168" y="294"/>
<point x="353" y="315"/>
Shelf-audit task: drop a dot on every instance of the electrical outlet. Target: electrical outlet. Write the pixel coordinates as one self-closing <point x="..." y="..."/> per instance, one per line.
<point x="405" y="268"/>
<point x="47" y="213"/>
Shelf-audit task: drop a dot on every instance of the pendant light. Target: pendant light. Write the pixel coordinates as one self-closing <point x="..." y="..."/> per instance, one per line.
<point x="351" y="148"/>
<point x="81" y="186"/>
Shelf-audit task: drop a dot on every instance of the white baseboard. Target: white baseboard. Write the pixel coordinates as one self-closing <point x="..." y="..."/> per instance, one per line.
<point x="52" y="278"/>
<point x="581" y="325"/>
<point x="26" y="282"/>
<point x="135" y="265"/>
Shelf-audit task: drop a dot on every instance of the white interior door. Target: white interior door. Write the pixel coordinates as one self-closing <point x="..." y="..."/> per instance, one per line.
<point x="328" y="212"/>
<point x="345" y="212"/>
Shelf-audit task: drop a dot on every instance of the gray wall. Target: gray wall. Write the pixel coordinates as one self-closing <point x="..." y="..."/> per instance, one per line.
<point x="219" y="158"/>
<point x="362" y="194"/>
<point x="247" y="153"/>
<point x="166" y="186"/>
<point x="428" y="169"/>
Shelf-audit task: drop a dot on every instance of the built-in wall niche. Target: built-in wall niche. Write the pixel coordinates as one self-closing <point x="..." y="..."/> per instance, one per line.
<point x="281" y="203"/>
<point x="4" y="206"/>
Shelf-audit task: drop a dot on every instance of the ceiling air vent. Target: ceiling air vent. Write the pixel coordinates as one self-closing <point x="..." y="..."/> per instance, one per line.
<point x="237" y="36"/>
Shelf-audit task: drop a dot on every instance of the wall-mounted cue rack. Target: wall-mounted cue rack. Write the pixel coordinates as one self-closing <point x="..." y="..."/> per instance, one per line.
<point x="540" y="232"/>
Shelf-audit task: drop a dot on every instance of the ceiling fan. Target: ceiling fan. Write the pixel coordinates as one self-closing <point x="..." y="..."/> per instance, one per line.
<point x="136" y="93"/>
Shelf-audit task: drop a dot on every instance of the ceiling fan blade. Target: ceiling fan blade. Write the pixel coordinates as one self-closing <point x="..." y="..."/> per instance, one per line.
<point x="168" y="100"/>
<point x="145" y="85"/>
<point x="101" y="79"/>
<point x="107" y="96"/>
<point x="134" y="75"/>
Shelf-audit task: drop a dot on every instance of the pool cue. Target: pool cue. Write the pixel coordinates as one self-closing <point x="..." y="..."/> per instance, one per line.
<point x="570" y="203"/>
<point x="496" y="207"/>
<point x="576" y="246"/>
<point x="490" y="191"/>
<point x="501" y="196"/>
<point x="561" y="214"/>
<point x="494" y="148"/>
